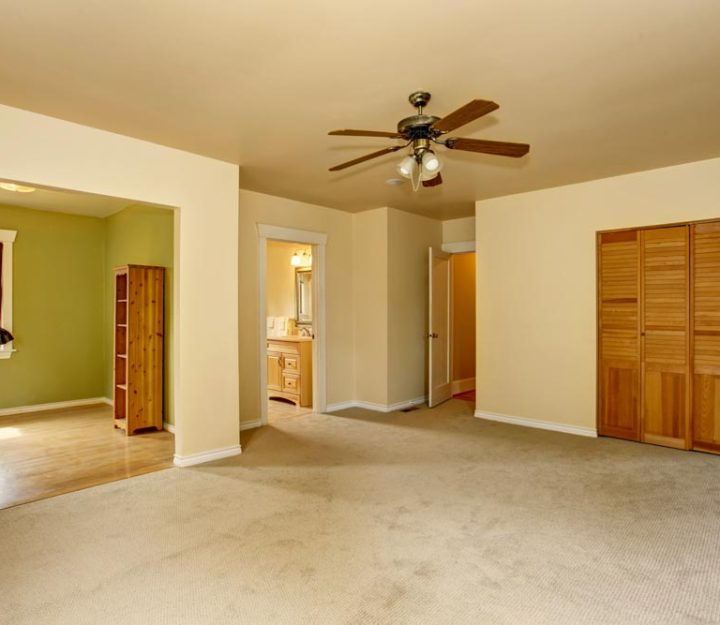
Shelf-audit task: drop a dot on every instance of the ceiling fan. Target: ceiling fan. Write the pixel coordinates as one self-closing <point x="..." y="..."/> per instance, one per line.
<point x="420" y="131"/>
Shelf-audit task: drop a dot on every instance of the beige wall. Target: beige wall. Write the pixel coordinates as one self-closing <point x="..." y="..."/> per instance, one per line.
<point x="409" y="237"/>
<point x="46" y="151"/>
<point x="536" y="283"/>
<point x="280" y="284"/>
<point x="376" y="292"/>
<point x="458" y="230"/>
<point x="258" y="208"/>
<point x="463" y="315"/>
<point x="370" y="302"/>
<point x="390" y="303"/>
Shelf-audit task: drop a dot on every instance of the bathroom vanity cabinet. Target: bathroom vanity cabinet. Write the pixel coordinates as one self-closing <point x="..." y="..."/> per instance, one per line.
<point x="289" y="369"/>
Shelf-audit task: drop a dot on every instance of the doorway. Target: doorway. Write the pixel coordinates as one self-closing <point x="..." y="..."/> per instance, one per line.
<point x="451" y="334"/>
<point x="289" y="323"/>
<point x="462" y="327"/>
<point x="292" y="322"/>
<point x="59" y="372"/>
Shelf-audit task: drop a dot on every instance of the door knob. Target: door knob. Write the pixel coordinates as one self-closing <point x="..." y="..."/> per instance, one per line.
<point x="433" y="335"/>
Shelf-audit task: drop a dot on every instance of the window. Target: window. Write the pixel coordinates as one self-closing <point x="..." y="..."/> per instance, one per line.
<point x="7" y="238"/>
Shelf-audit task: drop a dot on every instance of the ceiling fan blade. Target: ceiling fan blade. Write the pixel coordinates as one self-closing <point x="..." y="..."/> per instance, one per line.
<point x="499" y="148"/>
<point x="464" y="115"/>
<point x="367" y="157"/>
<point x="366" y="133"/>
<point x="434" y="182"/>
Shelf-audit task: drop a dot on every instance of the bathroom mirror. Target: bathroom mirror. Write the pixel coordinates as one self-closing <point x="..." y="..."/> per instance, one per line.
<point x="303" y="295"/>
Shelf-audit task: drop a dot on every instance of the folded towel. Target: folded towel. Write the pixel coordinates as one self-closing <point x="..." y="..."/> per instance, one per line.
<point x="280" y="322"/>
<point x="271" y="322"/>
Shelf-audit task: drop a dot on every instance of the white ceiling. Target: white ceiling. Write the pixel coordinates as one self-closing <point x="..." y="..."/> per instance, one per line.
<point x="71" y="202"/>
<point x="597" y="88"/>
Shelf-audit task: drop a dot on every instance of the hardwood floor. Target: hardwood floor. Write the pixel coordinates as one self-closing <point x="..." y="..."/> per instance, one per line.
<point x="44" y="454"/>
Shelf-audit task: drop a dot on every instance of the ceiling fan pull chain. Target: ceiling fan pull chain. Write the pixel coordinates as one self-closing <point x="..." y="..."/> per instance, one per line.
<point x="415" y="180"/>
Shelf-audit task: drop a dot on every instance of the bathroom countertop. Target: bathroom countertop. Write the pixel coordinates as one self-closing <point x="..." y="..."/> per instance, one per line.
<point x="295" y="339"/>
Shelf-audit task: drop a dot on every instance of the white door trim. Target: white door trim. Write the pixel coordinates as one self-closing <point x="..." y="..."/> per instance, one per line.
<point x="293" y="235"/>
<point x="442" y="392"/>
<point x="7" y="238"/>
<point x="318" y="240"/>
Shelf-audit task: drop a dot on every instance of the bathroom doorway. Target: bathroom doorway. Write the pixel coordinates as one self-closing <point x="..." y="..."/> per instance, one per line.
<point x="289" y="319"/>
<point x="292" y="375"/>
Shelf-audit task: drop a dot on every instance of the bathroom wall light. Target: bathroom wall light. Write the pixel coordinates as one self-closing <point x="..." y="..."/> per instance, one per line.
<point x="17" y="188"/>
<point x="301" y="259"/>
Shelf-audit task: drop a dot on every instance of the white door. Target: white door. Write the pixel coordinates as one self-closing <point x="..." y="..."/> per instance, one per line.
<point x="439" y="382"/>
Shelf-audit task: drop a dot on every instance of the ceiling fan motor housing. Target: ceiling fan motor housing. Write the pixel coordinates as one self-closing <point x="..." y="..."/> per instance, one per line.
<point x="417" y="126"/>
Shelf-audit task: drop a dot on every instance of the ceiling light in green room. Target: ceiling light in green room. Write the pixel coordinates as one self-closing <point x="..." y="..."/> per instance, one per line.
<point x="16" y="188"/>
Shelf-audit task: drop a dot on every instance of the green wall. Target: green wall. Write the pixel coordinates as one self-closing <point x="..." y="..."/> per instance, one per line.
<point x="57" y="312"/>
<point x="62" y="299"/>
<point x="140" y="235"/>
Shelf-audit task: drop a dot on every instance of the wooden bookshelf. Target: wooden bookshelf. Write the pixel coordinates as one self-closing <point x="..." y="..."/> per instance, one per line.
<point x="138" y="348"/>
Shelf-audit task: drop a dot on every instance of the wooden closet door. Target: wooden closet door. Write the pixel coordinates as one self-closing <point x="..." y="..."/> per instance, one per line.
<point x="618" y="334"/>
<point x="705" y="291"/>
<point x="665" y="346"/>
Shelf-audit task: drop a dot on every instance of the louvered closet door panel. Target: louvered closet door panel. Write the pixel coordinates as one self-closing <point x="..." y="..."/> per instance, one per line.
<point x="618" y="339"/>
<point x="665" y="356"/>
<point x="706" y="336"/>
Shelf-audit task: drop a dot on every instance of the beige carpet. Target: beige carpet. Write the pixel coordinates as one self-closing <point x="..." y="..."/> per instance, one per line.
<point x="426" y="517"/>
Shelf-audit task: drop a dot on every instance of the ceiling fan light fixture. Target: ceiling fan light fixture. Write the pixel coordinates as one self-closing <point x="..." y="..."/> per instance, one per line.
<point x="407" y="166"/>
<point x="431" y="163"/>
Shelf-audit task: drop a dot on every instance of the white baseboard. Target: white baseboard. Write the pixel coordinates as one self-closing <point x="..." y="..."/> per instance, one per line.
<point x="460" y="386"/>
<point x="107" y="400"/>
<point x="341" y="405"/>
<point x="408" y="403"/>
<point x="58" y="405"/>
<point x="536" y="423"/>
<point x="206" y="456"/>
<point x="368" y="405"/>
<point x="249" y="425"/>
